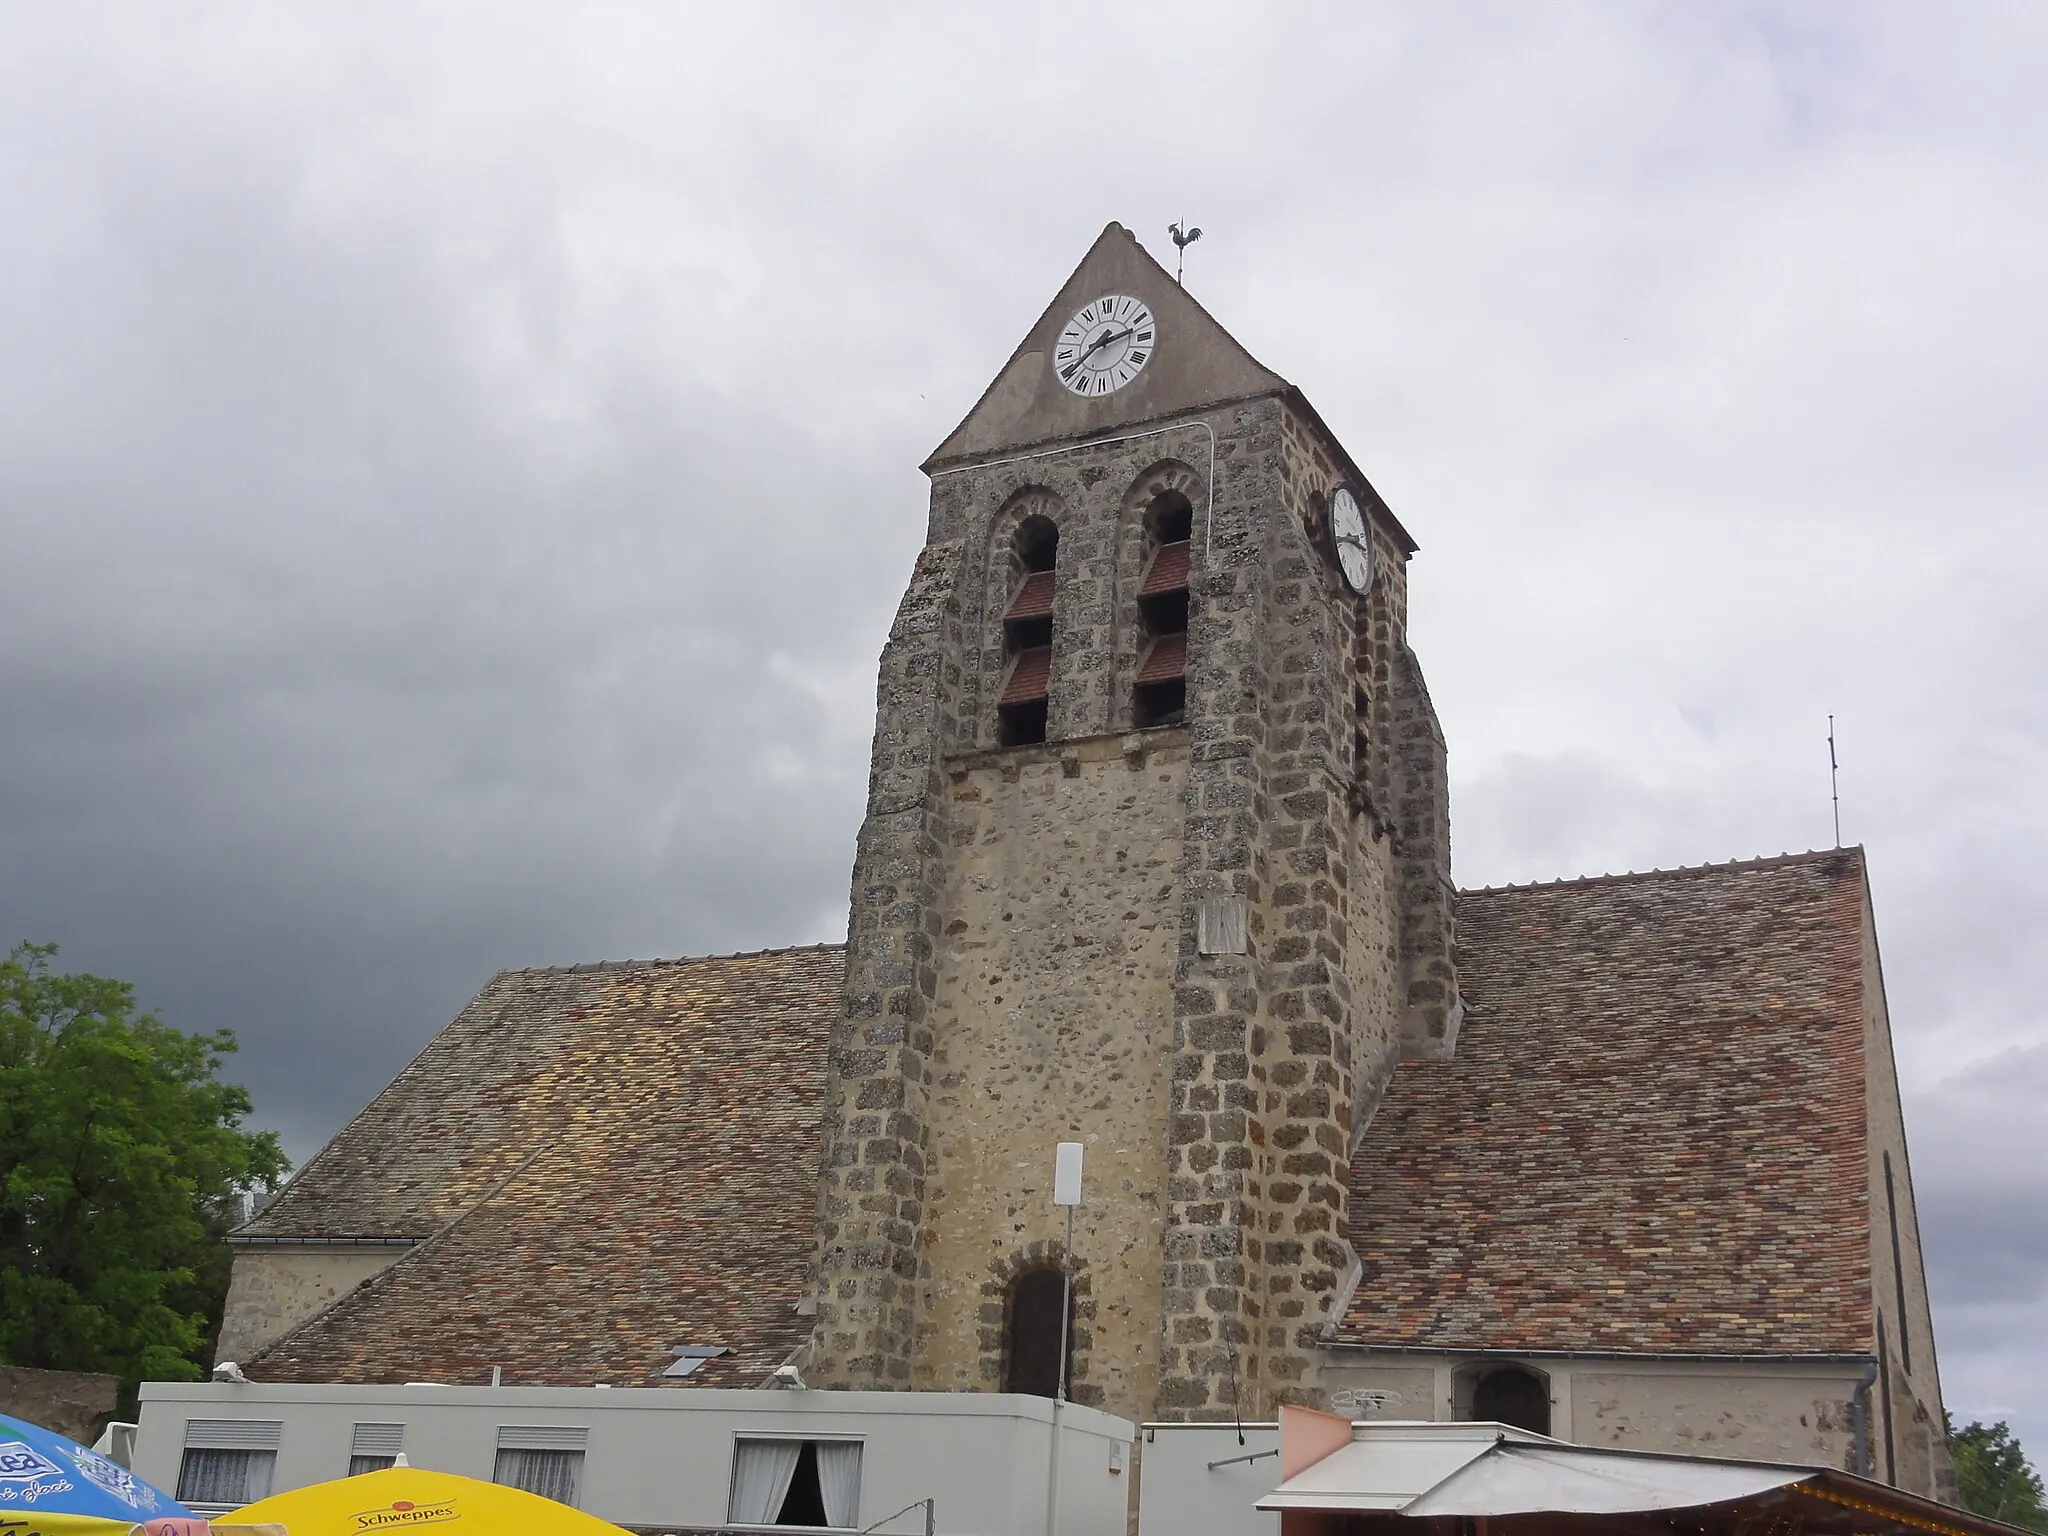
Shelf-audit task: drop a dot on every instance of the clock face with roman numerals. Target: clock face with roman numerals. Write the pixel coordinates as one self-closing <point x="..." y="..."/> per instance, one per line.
<point x="1105" y="345"/>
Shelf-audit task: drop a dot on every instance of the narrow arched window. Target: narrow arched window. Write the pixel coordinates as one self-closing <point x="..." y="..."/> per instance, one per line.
<point x="1027" y="635"/>
<point x="1031" y="1343"/>
<point x="1511" y="1394"/>
<point x="1161" y="694"/>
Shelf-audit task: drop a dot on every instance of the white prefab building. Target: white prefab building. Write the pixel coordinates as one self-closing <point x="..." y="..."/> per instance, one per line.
<point x="1207" y="1479"/>
<point x="661" y="1459"/>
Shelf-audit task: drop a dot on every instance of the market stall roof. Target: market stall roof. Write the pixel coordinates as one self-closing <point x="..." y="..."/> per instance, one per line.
<point x="1386" y="1466"/>
<point x="1493" y="1471"/>
<point x="1517" y="1479"/>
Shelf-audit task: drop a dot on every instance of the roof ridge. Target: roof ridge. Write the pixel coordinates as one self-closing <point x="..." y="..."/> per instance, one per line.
<point x="620" y="965"/>
<point x="1728" y="866"/>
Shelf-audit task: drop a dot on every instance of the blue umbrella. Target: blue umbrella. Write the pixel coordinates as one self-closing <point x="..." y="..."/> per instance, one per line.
<point x="51" y="1486"/>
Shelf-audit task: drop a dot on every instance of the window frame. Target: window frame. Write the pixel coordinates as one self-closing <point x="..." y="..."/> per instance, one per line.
<point x="380" y="1443"/>
<point x="254" y="1486"/>
<point x="256" y="1441"/>
<point x="739" y="1437"/>
<point x="544" y="1439"/>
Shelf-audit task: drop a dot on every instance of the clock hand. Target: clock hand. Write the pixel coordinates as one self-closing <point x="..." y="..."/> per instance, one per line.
<point x="1104" y="340"/>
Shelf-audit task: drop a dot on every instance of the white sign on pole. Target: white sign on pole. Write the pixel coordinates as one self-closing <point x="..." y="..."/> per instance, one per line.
<point x="1066" y="1174"/>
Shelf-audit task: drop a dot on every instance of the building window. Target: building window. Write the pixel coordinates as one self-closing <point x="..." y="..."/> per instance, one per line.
<point x="1021" y="712"/>
<point x="228" y="1462"/>
<point x="375" y="1447"/>
<point x="1161" y="694"/>
<point x="1505" y="1394"/>
<point x="811" y="1483"/>
<point x="1031" y="1349"/>
<point x="545" y="1459"/>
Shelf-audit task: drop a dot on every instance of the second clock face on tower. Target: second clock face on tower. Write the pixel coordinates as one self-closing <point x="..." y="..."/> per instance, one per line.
<point x="1105" y="345"/>
<point x="1354" y="543"/>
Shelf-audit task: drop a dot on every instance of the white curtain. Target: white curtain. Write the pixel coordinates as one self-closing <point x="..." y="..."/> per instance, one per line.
<point x="551" y="1474"/>
<point x="761" y="1470"/>
<point x="839" y="1482"/>
<point x="223" y="1476"/>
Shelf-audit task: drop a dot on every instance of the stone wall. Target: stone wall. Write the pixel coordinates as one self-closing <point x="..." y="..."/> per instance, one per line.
<point x="1372" y="960"/>
<point x="1911" y="1445"/>
<point x="74" y="1403"/>
<point x="1796" y="1412"/>
<point x="1421" y="809"/>
<point x="1758" y="1414"/>
<point x="871" y="1184"/>
<point x="275" y="1288"/>
<point x="1052" y="1023"/>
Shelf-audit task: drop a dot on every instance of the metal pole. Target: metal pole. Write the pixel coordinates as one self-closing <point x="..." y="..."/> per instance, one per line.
<point x="1052" y="1481"/>
<point x="1066" y="1300"/>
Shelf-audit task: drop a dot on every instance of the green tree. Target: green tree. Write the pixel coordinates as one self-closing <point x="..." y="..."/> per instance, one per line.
<point x="123" y="1159"/>
<point x="1993" y="1476"/>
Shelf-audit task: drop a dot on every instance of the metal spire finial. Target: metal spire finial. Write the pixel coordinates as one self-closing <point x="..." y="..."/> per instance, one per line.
<point x="1181" y="240"/>
<point x="1834" y="781"/>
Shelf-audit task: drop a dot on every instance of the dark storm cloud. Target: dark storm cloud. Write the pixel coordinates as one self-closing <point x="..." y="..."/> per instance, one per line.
<point x="363" y="642"/>
<point x="457" y="467"/>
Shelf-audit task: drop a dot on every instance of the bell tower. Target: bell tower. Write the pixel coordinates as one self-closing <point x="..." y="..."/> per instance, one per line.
<point x="1156" y="858"/>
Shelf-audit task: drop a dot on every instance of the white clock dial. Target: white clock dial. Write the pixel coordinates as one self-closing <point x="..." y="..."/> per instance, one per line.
<point x="1105" y="345"/>
<point x="1348" y="533"/>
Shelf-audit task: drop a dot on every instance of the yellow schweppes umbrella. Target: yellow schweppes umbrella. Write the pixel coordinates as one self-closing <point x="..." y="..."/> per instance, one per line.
<point x="400" y="1499"/>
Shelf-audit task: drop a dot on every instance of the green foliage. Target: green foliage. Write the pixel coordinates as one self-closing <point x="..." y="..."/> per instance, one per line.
<point x="122" y="1162"/>
<point x="1993" y="1476"/>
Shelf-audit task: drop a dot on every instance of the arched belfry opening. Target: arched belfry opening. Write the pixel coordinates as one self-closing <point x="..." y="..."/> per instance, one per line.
<point x="1160" y="695"/>
<point x="1504" y="1394"/>
<point x="1032" y="1333"/>
<point x="1021" y="711"/>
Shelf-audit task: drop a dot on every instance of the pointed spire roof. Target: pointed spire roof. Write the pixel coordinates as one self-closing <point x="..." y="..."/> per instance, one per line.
<point x="1198" y="364"/>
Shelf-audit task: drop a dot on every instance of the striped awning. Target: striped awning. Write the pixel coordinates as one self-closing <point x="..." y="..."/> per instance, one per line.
<point x="1168" y="572"/>
<point x="1029" y="675"/>
<point x="1033" y="599"/>
<point x="1167" y="660"/>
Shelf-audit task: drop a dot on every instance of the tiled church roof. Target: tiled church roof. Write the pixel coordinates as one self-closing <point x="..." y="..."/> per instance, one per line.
<point x="1652" y="1137"/>
<point x="604" y="1161"/>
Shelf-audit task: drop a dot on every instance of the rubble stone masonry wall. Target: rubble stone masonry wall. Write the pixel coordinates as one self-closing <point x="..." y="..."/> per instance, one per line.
<point x="1053" y="1024"/>
<point x="874" y="1148"/>
<point x="272" y="1289"/>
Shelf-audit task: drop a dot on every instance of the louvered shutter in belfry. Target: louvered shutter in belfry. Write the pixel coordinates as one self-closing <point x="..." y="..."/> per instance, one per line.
<point x="1168" y="571"/>
<point x="1166" y="660"/>
<point x="1029" y="675"/>
<point x="1033" y="599"/>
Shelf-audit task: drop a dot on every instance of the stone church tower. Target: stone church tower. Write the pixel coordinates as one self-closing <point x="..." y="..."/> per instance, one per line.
<point x="1156" y="858"/>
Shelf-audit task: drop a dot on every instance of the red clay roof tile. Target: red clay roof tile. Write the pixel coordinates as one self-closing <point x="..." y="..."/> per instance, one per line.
<point x="1652" y="1137"/>
<point x="608" y="1194"/>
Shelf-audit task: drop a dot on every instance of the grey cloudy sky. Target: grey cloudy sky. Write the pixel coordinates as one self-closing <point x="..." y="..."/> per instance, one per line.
<point x="457" y="464"/>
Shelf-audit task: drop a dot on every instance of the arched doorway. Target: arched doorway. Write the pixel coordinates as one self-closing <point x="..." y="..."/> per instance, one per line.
<point x="1031" y="1343"/>
<point x="1509" y="1394"/>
